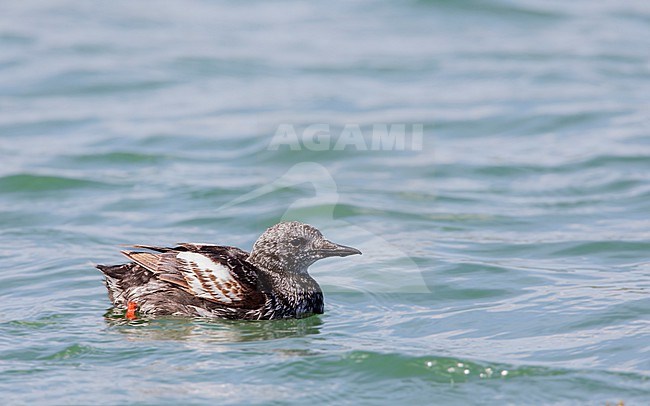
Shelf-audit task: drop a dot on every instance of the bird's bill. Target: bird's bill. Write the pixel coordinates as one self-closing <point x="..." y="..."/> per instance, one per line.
<point x="330" y="249"/>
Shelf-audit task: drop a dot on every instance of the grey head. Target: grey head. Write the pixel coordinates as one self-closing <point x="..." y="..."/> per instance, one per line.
<point x="293" y="246"/>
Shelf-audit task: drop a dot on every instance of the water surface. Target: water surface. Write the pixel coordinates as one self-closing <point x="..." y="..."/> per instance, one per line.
<point x="505" y="262"/>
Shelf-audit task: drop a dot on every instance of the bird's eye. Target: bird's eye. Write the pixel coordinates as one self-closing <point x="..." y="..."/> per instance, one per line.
<point x="296" y="242"/>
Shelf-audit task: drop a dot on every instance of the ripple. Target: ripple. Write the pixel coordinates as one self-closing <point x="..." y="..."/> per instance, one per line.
<point x="37" y="127"/>
<point x="43" y="183"/>
<point x="496" y="9"/>
<point x="119" y="158"/>
<point x="70" y="352"/>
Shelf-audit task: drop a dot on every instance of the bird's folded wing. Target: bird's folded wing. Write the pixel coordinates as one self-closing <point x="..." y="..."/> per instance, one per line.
<point x="200" y="248"/>
<point x="212" y="249"/>
<point x="219" y="278"/>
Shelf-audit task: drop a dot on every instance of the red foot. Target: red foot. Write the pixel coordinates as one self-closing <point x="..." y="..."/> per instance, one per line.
<point x="130" y="310"/>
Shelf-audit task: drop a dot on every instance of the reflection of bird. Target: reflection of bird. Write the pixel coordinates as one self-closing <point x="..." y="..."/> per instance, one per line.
<point x="271" y="282"/>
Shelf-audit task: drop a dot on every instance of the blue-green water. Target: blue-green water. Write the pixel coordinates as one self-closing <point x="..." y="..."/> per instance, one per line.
<point x="507" y="261"/>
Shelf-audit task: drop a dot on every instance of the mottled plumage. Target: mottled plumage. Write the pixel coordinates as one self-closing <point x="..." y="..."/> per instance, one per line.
<point x="272" y="282"/>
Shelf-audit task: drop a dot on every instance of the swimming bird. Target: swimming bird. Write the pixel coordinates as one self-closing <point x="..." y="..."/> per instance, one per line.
<point x="270" y="282"/>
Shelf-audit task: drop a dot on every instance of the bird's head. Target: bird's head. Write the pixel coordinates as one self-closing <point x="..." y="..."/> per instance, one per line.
<point x="293" y="246"/>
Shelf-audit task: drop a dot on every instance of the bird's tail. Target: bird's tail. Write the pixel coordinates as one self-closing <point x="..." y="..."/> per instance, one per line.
<point x="114" y="275"/>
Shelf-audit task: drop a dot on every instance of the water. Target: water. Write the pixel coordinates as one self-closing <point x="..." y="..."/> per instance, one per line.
<point x="505" y="262"/>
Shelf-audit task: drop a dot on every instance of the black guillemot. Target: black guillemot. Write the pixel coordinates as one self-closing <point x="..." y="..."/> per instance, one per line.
<point x="206" y="280"/>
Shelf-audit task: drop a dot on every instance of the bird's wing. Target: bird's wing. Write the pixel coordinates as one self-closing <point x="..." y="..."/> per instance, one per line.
<point x="198" y="247"/>
<point x="209" y="272"/>
<point x="212" y="249"/>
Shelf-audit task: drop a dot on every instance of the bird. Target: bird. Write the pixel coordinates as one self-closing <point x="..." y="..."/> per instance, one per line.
<point x="217" y="281"/>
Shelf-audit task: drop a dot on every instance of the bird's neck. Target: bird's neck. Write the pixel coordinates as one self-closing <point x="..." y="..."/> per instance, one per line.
<point x="273" y="264"/>
<point x="290" y="280"/>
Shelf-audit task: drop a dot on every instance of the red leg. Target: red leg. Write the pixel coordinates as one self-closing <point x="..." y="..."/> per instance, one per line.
<point x="130" y="310"/>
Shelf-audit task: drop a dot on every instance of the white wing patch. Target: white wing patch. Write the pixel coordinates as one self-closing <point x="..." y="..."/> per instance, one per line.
<point x="205" y="263"/>
<point x="209" y="279"/>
